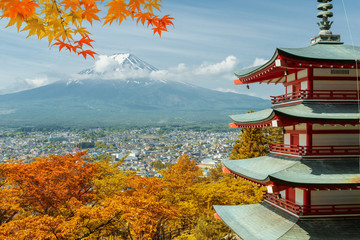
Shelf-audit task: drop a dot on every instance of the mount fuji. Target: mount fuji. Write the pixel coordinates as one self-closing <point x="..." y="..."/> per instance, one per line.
<point x="121" y="61"/>
<point x="116" y="91"/>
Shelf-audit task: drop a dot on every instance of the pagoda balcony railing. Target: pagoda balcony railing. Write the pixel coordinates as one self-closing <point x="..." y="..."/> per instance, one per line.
<point x="331" y="209"/>
<point x="283" y="203"/>
<point x="314" y="150"/>
<point x="338" y="95"/>
<point x="300" y="210"/>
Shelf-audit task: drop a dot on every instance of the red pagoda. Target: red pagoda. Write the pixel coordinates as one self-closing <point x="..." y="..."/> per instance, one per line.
<point x="313" y="178"/>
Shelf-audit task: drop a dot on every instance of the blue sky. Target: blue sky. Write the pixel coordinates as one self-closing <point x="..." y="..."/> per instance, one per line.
<point x="210" y="41"/>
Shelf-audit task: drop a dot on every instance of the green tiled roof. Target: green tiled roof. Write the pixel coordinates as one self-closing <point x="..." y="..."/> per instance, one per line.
<point x="324" y="52"/>
<point x="316" y="111"/>
<point x="340" y="172"/>
<point x="306" y="111"/>
<point x="254" y="117"/>
<point x="329" y="52"/>
<point x="259" y="168"/>
<point x="255" y="221"/>
<point x="263" y="221"/>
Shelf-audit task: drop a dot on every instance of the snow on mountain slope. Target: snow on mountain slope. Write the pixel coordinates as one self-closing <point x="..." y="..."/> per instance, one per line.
<point x="118" y="62"/>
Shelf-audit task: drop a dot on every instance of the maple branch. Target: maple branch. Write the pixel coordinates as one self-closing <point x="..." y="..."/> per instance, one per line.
<point x="91" y="231"/>
<point x="62" y="19"/>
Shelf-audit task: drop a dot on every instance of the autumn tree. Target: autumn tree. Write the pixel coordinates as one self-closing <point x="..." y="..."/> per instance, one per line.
<point x="74" y="197"/>
<point x="43" y="195"/>
<point x="226" y="191"/>
<point x="216" y="173"/>
<point x="178" y="182"/>
<point x="195" y="195"/>
<point x="63" y="22"/>
<point x="51" y="182"/>
<point x="273" y="134"/>
<point x="208" y="228"/>
<point x="252" y="143"/>
<point x="146" y="212"/>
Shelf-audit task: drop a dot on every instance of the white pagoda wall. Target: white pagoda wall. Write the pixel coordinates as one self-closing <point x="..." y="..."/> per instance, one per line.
<point x="304" y="85"/>
<point x="287" y="138"/>
<point x="334" y="85"/>
<point x="329" y="72"/>
<point x="294" y="76"/>
<point x="335" y="139"/>
<point x="301" y="126"/>
<point x="302" y="74"/>
<point x="327" y="138"/>
<point x="325" y="197"/>
<point x="336" y="127"/>
<point x="291" y="77"/>
<point x="283" y="194"/>
<point x="289" y="89"/>
<point x="302" y="137"/>
<point x="299" y="196"/>
<point x="302" y="140"/>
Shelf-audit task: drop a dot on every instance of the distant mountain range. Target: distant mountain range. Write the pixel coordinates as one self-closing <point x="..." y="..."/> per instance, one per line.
<point x="97" y="102"/>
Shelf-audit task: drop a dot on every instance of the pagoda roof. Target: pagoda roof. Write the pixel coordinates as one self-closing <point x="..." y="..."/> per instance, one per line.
<point x="336" y="52"/>
<point x="316" y="112"/>
<point x="263" y="221"/>
<point x="322" y="52"/>
<point x="286" y="170"/>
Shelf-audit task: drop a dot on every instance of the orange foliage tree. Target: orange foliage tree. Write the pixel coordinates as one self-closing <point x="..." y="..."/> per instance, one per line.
<point x="43" y="195"/>
<point x="62" y="21"/>
<point x="145" y="208"/>
<point x="72" y="197"/>
<point x="216" y="189"/>
<point x="178" y="181"/>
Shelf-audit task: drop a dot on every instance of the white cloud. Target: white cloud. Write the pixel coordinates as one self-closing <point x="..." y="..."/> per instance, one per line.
<point x="181" y="67"/>
<point x="160" y="75"/>
<point x="210" y="75"/>
<point x="225" y="66"/>
<point x="104" y="63"/>
<point x="37" y="81"/>
<point x="195" y="74"/>
<point x="257" y="62"/>
<point x="235" y="91"/>
<point x="109" y="67"/>
<point x="34" y="82"/>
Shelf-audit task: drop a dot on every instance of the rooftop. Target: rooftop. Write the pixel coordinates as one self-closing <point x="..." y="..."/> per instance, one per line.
<point x="320" y="52"/>
<point x="324" y="172"/>
<point x="318" y="112"/>
<point x="263" y="221"/>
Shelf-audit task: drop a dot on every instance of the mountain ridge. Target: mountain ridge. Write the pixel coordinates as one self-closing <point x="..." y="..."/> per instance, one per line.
<point x="95" y="101"/>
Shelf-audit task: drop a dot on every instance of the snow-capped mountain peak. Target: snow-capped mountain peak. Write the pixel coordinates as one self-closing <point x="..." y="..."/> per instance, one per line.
<point x="117" y="63"/>
<point x="133" y="61"/>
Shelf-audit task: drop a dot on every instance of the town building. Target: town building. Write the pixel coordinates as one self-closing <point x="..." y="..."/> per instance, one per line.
<point x="313" y="177"/>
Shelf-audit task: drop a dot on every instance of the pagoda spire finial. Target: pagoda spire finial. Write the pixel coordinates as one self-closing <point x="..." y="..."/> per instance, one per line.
<point x="325" y="35"/>
<point x="325" y="24"/>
